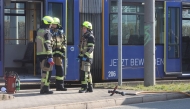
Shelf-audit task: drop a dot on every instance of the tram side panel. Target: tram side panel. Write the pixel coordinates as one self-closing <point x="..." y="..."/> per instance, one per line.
<point x="132" y="62"/>
<point x="132" y="56"/>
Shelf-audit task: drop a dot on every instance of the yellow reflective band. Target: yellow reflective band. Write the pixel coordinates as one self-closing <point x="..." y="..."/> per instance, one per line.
<point x="43" y="80"/>
<point x="81" y="54"/>
<point x="57" y="43"/>
<point x="59" y="78"/>
<point x="57" y="52"/>
<point x="91" y="44"/>
<point x="87" y="54"/>
<point x="44" y="53"/>
<point x="46" y="80"/>
<point x="47" y="41"/>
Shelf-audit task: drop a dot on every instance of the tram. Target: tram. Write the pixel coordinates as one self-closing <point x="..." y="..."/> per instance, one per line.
<point x="19" y="20"/>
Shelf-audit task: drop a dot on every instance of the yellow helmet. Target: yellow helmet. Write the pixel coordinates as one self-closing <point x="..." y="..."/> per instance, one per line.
<point x="48" y="20"/>
<point x="87" y="25"/>
<point x="56" y="20"/>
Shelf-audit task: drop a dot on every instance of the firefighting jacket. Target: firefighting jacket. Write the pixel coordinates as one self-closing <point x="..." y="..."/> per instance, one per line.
<point x="44" y="42"/>
<point x="87" y="45"/>
<point x="60" y="43"/>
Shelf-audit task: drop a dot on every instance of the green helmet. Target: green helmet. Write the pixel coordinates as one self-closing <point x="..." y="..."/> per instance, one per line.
<point x="48" y="20"/>
<point x="87" y="25"/>
<point x="56" y="20"/>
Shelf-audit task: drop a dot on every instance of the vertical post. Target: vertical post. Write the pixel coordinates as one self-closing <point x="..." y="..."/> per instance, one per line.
<point x="120" y="42"/>
<point x="149" y="43"/>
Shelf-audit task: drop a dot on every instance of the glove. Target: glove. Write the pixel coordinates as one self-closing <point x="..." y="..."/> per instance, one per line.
<point x="50" y="60"/>
<point x="78" y="59"/>
<point x="84" y="59"/>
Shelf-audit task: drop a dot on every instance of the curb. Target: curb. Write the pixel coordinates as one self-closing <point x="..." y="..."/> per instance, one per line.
<point x="114" y="102"/>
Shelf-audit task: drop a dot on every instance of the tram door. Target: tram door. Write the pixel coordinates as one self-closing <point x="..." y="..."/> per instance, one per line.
<point x="172" y="39"/>
<point x="67" y="11"/>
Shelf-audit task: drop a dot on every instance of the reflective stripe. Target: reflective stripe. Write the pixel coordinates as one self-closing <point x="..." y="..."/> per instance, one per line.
<point x="91" y="44"/>
<point x="57" y="43"/>
<point x="57" y="52"/>
<point x="47" y="41"/>
<point x="43" y="80"/>
<point x="87" y="54"/>
<point x="59" y="78"/>
<point x="81" y="54"/>
<point x="46" y="80"/>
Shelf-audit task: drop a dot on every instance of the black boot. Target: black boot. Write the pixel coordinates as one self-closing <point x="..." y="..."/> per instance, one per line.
<point x="45" y="90"/>
<point x="83" y="88"/>
<point x="90" y="88"/>
<point x="60" y="86"/>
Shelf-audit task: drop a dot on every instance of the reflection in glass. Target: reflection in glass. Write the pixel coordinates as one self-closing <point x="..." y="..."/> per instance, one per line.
<point x="132" y="29"/>
<point x="173" y="33"/>
<point x="55" y="10"/>
<point x="14" y="30"/>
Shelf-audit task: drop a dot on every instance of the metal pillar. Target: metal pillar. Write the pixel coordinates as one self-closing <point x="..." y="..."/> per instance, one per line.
<point x="149" y="43"/>
<point x="120" y="42"/>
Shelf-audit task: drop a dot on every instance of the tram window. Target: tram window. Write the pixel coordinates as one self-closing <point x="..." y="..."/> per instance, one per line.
<point x="14" y="24"/>
<point x="173" y="32"/>
<point x="15" y="8"/>
<point x="14" y="30"/>
<point x="186" y="22"/>
<point x="55" y="10"/>
<point x="186" y="13"/>
<point x="15" y="5"/>
<point x="159" y="25"/>
<point x="132" y="29"/>
<point x="132" y="24"/>
<point x="70" y="21"/>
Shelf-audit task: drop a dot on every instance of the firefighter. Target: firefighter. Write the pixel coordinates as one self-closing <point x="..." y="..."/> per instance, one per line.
<point x="59" y="48"/>
<point x="44" y="53"/>
<point x="86" y="57"/>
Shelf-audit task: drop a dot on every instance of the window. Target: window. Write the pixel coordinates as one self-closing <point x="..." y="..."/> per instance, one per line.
<point x="133" y="23"/>
<point x="55" y="10"/>
<point x="70" y="22"/>
<point x="186" y="22"/>
<point x="159" y="23"/>
<point x="14" y="24"/>
<point x="173" y="32"/>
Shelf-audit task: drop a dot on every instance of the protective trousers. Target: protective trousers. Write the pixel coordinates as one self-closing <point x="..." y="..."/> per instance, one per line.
<point x="59" y="73"/>
<point x="86" y="77"/>
<point x="46" y="73"/>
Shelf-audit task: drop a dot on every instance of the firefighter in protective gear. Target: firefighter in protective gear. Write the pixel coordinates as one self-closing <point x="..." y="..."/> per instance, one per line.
<point x="86" y="57"/>
<point x="59" y="48"/>
<point x="44" y="44"/>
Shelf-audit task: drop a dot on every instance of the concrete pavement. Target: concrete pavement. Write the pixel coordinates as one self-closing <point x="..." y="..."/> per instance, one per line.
<point x="170" y="104"/>
<point x="71" y="99"/>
